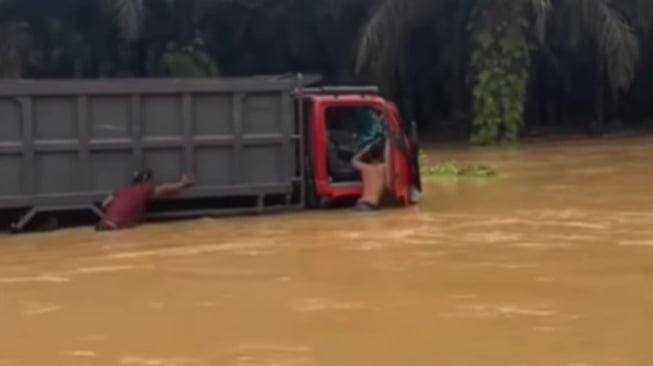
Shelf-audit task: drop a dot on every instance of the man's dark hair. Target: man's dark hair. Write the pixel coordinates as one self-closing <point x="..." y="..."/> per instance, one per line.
<point x="142" y="176"/>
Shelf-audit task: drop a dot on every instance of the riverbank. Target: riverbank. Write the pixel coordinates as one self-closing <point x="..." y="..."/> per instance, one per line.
<point x="437" y="140"/>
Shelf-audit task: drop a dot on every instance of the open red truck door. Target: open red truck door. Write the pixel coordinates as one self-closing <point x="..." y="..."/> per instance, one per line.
<point x="402" y="177"/>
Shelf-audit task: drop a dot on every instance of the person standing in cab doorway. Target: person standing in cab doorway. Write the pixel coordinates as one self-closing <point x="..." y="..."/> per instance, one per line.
<point x="370" y="163"/>
<point x="126" y="207"/>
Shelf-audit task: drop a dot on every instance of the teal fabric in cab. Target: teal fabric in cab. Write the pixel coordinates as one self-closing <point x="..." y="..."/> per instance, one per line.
<point x="369" y="125"/>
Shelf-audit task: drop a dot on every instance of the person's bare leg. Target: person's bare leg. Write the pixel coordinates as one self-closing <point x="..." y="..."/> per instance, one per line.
<point x="373" y="186"/>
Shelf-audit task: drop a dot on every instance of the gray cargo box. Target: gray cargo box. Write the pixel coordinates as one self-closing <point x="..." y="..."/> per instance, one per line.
<point x="67" y="144"/>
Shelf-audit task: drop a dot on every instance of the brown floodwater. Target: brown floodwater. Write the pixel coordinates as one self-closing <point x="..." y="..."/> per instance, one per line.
<point x="551" y="264"/>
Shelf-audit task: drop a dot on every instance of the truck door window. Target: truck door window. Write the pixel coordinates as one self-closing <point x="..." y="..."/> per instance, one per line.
<point x="349" y="129"/>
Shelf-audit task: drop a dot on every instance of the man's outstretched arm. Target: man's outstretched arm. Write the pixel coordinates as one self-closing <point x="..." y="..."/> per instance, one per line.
<point x="172" y="189"/>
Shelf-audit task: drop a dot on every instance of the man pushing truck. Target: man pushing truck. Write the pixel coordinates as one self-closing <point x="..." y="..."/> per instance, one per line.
<point x="126" y="207"/>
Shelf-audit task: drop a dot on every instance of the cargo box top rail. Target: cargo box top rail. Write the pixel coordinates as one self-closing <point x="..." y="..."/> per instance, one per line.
<point x="342" y="90"/>
<point x="18" y="88"/>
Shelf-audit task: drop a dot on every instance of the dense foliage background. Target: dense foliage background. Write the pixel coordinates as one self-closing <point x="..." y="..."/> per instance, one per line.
<point x="489" y="70"/>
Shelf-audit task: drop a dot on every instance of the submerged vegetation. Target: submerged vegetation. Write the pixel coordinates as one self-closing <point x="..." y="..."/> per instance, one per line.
<point x="486" y="70"/>
<point x="452" y="169"/>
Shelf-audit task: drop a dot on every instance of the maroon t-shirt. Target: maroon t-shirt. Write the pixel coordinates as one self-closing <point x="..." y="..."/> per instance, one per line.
<point x="128" y="205"/>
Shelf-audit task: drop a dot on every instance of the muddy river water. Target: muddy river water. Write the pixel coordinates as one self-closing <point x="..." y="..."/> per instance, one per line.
<point x="550" y="265"/>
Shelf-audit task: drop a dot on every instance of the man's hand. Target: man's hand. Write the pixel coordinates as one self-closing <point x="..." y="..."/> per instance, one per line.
<point x="187" y="181"/>
<point x="172" y="189"/>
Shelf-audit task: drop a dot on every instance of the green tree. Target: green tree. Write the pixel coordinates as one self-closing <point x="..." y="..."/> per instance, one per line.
<point x="499" y="65"/>
<point x="488" y="68"/>
<point x="163" y="36"/>
<point x="495" y="26"/>
<point x="595" y="30"/>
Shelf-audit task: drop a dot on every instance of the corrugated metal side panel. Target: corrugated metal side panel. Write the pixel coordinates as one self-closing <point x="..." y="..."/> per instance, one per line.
<point x="66" y="148"/>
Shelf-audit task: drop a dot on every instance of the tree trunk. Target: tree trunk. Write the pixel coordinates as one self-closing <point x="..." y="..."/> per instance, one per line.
<point x="458" y="87"/>
<point x="139" y="60"/>
<point x="598" y="124"/>
<point x="10" y="60"/>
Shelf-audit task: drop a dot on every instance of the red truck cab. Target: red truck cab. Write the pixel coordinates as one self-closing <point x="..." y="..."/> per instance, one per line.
<point x="331" y="143"/>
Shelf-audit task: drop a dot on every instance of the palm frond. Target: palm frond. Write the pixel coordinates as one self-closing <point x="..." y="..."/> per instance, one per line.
<point x="638" y="12"/>
<point x="129" y="17"/>
<point x="541" y="10"/>
<point x="380" y="36"/>
<point x="615" y="39"/>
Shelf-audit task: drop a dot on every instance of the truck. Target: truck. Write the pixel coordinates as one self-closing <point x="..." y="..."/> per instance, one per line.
<point x="254" y="144"/>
